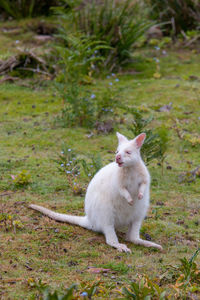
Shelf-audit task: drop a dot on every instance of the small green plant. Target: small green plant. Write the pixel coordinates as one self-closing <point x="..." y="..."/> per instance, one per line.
<point x="69" y="164"/>
<point x="48" y="295"/>
<point x="74" y="166"/>
<point x="163" y="140"/>
<point x="144" y="289"/>
<point x="10" y="222"/>
<point x="83" y="291"/>
<point x="108" y="102"/>
<point x="21" y="179"/>
<point x="188" y="272"/>
<point x="92" y="166"/>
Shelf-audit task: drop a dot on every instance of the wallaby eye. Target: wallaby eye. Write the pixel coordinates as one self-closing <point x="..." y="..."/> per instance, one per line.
<point x="116" y="152"/>
<point x="128" y="152"/>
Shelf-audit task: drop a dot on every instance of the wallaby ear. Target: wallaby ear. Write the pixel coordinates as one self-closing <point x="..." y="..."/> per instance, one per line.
<point x="121" y="138"/>
<point x="139" y="140"/>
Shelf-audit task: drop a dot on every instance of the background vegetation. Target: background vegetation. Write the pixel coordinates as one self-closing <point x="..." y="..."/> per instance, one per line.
<point x="72" y="73"/>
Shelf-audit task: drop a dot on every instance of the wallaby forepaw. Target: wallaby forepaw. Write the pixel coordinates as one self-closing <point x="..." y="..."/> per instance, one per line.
<point x="131" y="202"/>
<point x="140" y="196"/>
<point x="123" y="248"/>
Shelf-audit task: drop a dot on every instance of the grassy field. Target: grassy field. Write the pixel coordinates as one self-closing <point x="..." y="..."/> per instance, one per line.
<point x="61" y="254"/>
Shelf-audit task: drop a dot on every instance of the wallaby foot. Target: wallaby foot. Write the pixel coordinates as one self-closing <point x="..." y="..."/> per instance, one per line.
<point x="112" y="240"/>
<point x="121" y="248"/>
<point x="147" y="244"/>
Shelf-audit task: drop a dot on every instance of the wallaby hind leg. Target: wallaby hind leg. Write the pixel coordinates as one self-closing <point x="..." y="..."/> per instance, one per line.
<point x="112" y="240"/>
<point x="133" y="235"/>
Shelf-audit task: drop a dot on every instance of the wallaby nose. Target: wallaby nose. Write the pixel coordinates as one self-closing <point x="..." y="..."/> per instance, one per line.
<point x="118" y="158"/>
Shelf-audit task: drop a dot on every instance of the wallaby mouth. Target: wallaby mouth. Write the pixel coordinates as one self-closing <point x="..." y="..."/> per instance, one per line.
<point x="120" y="164"/>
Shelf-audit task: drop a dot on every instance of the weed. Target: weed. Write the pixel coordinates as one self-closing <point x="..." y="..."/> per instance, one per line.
<point x="69" y="164"/>
<point x="144" y="289"/>
<point x="93" y="166"/>
<point x="21" y="179"/>
<point x="48" y="295"/>
<point x="73" y="166"/>
<point x="188" y="273"/>
<point x="9" y="222"/>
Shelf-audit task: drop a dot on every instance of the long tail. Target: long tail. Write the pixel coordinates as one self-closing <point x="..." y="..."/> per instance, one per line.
<point x="81" y="221"/>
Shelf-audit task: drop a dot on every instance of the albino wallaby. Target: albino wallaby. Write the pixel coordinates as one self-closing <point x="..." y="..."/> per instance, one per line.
<point x="117" y="196"/>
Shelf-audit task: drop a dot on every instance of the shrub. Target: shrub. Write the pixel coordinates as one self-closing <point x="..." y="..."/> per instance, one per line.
<point x="77" y="55"/>
<point x="181" y="15"/>
<point x="18" y="9"/>
<point x="119" y="23"/>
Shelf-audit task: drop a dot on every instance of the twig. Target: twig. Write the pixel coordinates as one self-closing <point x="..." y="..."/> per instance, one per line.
<point x="6" y="194"/>
<point x="11" y="280"/>
<point x="8" y="78"/>
<point x="35" y="71"/>
<point x="192" y="41"/>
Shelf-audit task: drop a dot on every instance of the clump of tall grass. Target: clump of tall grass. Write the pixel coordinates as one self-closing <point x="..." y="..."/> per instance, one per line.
<point x="19" y="9"/>
<point x="121" y="24"/>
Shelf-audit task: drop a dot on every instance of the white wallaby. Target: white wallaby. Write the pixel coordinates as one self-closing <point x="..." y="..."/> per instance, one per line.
<point x="117" y="196"/>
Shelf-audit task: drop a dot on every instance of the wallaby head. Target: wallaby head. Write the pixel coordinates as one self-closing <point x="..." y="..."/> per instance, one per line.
<point x="128" y="151"/>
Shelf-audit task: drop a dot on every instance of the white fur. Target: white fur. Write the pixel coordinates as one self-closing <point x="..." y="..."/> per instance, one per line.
<point x="117" y="196"/>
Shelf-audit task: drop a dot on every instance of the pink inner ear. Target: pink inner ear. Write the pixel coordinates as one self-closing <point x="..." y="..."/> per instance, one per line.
<point x="140" y="139"/>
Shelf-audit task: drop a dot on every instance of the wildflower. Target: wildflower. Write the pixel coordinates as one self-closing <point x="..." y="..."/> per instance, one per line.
<point x="91" y="166"/>
<point x="70" y="161"/>
<point x="68" y="164"/>
<point x="74" y="158"/>
<point x="89" y="175"/>
<point x="113" y="74"/>
<point x="13" y="177"/>
<point x="84" y="294"/>
<point x="157" y="48"/>
<point x="156" y="59"/>
<point x="62" y="165"/>
<point x="110" y="83"/>
<point x="69" y="150"/>
<point x="68" y="172"/>
<point x="17" y="41"/>
<point x="92" y="96"/>
<point x="95" y="51"/>
<point x="62" y="152"/>
<point x="116" y="79"/>
<point x="75" y="183"/>
<point x="108" y="76"/>
<point x="111" y="110"/>
<point x="164" y="52"/>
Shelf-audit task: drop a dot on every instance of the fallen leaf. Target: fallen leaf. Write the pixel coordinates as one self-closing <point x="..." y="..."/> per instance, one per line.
<point x="97" y="270"/>
<point x="157" y="75"/>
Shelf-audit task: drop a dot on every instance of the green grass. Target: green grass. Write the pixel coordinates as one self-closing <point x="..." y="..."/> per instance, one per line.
<point x="60" y="254"/>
